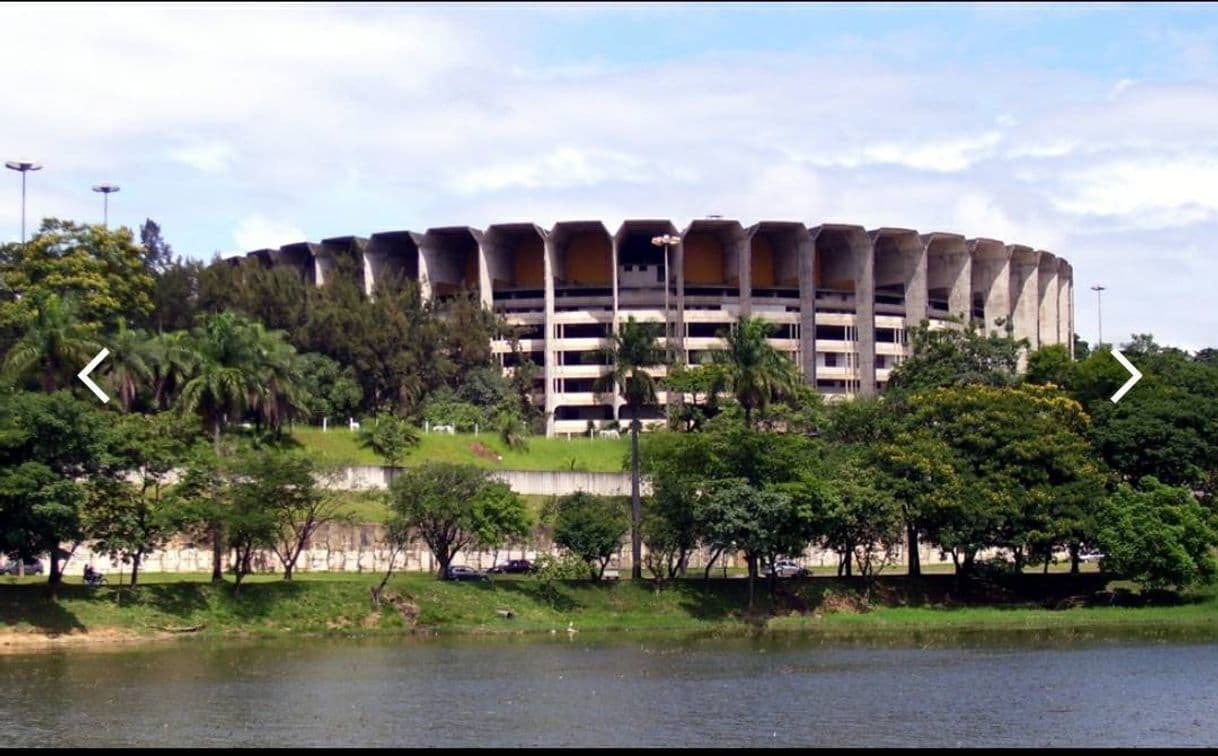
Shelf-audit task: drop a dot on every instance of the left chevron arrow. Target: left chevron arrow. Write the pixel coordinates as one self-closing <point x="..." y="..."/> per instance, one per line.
<point x="83" y="375"/>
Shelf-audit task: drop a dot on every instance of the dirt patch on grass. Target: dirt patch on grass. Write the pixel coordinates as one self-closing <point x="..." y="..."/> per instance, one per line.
<point x="482" y="451"/>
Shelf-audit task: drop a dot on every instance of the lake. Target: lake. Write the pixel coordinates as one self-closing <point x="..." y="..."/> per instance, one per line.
<point x="784" y="689"/>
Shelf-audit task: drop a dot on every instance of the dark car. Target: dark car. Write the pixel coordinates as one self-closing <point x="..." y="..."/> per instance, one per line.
<point x="461" y="572"/>
<point x="785" y="568"/>
<point x="32" y="567"/>
<point x="513" y="567"/>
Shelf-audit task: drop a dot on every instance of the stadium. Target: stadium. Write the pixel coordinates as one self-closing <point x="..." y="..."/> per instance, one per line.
<point x="840" y="297"/>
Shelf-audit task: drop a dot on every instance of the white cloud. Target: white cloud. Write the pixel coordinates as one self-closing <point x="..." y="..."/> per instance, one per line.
<point x="1147" y="191"/>
<point x="257" y="232"/>
<point x="208" y="157"/>
<point x="559" y="168"/>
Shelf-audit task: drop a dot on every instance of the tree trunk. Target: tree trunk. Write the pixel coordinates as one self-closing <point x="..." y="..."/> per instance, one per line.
<point x="636" y="505"/>
<point x="217" y="529"/>
<point x="915" y="560"/>
<point x="287" y="571"/>
<point x="135" y="567"/>
<point x="1048" y="559"/>
<point x="56" y="575"/>
<point x="849" y="562"/>
<point x="711" y="563"/>
<point x="752" y="562"/>
<point x="1074" y="561"/>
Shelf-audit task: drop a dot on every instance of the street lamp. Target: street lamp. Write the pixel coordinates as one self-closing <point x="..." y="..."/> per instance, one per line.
<point x="25" y="166"/>
<point x="1099" y="309"/>
<point x="666" y="241"/>
<point x="106" y="190"/>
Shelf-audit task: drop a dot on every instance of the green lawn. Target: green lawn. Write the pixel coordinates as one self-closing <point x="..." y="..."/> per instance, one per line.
<point x="373" y="506"/>
<point x="339" y="446"/>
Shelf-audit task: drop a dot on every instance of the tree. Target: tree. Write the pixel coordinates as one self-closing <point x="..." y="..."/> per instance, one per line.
<point x="453" y="506"/>
<point x="54" y="347"/>
<point x="955" y="357"/>
<point x="763" y="523"/>
<point x="692" y="382"/>
<point x="286" y="483"/>
<point x="634" y="350"/>
<point x="102" y="269"/>
<point x="591" y="527"/>
<point x="752" y="369"/>
<point x="50" y="446"/>
<point x="855" y="516"/>
<point x="128" y="369"/>
<point x="1050" y="364"/>
<point x="389" y="436"/>
<point x="1158" y="535"/>
<point x="129" y="520"/>
<point x="330" y="390"/>
<point x="1027" y="475"/>
<point x="263" y="490"/>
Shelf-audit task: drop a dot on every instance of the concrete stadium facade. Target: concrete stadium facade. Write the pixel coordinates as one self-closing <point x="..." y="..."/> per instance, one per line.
<point x="840" y="297"/>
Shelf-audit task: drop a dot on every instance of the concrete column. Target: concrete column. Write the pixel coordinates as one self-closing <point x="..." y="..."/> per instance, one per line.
<point x="916" y="293"/>
<point x="744" y="271"/>
<point x="485" y="290"/>
<point x="1047" y="318"/>
<point x="426" y="272"/>
<point x="614" y="241"/>
<point x="678" y="259"/>
<point x="864" y="312"/>
<point x="807" y="304"/>
<point x="1065" y="305"/>
<point x="1025" y="266"/>
<point x="549" y="254"/>
<point x="991" y="274"/>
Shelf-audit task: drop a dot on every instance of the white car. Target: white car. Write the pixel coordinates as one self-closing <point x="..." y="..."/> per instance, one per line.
<point x="1090" y="556"/>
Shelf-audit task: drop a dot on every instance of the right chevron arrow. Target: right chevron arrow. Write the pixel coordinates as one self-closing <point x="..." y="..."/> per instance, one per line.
<point x="1135" y="375"/>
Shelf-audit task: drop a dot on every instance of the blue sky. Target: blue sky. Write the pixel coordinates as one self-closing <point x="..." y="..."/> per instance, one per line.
<point x="1089" y="131"/>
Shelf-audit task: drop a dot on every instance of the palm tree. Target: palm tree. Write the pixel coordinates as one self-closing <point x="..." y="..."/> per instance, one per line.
<point x="223" y="383"/>
<point x="172" y="359"/>
<point x="130" y="363"/>
<point x="282" y="394"/>
<point x="752" y="369"/>
<point x="634" y="350"/>
<point x="54" y="347"/>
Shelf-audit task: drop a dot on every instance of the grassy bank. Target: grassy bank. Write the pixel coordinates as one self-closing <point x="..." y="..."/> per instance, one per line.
<point x="339" y="446"/>
<point x="341" y="604"/>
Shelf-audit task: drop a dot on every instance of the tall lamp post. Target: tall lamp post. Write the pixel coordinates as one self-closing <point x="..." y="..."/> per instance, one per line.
<point x="666" y="241"/>
<point x="24" y="166"/>
<point x="1099" y="309"/>
<point x="106" y="190"/>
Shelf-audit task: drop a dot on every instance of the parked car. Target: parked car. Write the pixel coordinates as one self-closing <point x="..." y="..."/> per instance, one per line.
<point x="513" y="567"/>
<point x="1091" y="555"/>
<point x="461" y="572"/>
<point x="785" y="568"/>
<point x="32" y="567"/>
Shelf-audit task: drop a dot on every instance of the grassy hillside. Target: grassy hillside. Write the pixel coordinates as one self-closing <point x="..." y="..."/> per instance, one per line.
<point x="339" y="446"/>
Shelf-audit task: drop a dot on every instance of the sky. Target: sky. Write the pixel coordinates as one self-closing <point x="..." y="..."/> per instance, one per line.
<point x="1089" y="131"/>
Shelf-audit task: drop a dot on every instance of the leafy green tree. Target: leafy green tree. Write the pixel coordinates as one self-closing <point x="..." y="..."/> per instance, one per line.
<point x="102" y="269"/>
<point x="128" y="368"/>
<point x="697" y="386"/>
<point x="50" y="446"/>
<point x="330" y="390"/>
<point x="454" y="506"/>
<point x="763" y="523"/>
<point x="957" y="357"/>
<point x="591" y="527"/>
<point x="287" y="482"/>
<point x="1050" y="364"/>
<point x="634" y="351"/>
<point x="261" y="486"/>
<point x="752" y="369"/>
<point x="129" y="520"/>
<point x="1158" y="535"/>
<point x="1022" y="457"/>
<point x="223" y="381"/>
<point x="512" y="430"/>
<point x="389" y="436"/>
<point x="171" y="360"/>
<point x="54" y="346"/>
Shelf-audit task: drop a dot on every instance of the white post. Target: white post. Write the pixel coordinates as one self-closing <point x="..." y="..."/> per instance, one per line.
<point x="475" y="429"/>
<point x="323" y="424"/>
<point x="427" y="426"/>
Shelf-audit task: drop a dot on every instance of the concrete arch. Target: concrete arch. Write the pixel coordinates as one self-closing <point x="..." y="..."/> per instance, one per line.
<point x="516" y="259"/>
<point x="302" y="257"/>
<point x="582" y="255"/>
<point x="451" y="259"/>
<point x="391" y="254"/>
<point x="265" y="258"/>
<point x="844" y="274"/>
<point x="900" y="273"/>
<point x="991" y="295"/>
<point x="948" y="275"/>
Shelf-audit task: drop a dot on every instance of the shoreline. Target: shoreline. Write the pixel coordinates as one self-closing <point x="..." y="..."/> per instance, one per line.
<point x="834" y="610"/>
